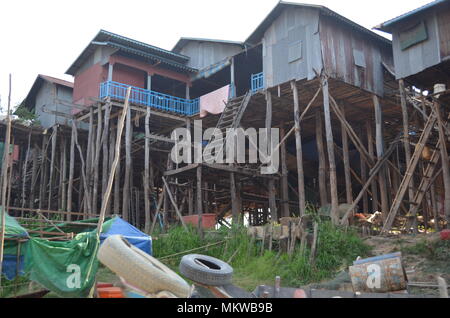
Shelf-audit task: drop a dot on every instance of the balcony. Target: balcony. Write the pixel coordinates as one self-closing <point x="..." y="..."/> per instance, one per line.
<point x="145" y="97"/>
<point x="257" y="82"/>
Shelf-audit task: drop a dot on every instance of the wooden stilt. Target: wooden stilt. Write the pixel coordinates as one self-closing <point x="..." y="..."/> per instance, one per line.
<point x="234" y="205"/>
<point x="406" y="131"/>
<point x="52" y="166"/>
<point x="271" y="182"/>
<point x="96" y="162"/>
<point x="444" y="160"/>
<point x="199" y="200"/>
<point x="322" y="160"/>
<point x="126" y="187"/>
<point x="34" y="175"/>
<point x="380" y="153"/>
<point x="63" y="183"/>
<point x="25" y="171"/>
<point x="71" y="172"/>
<point x="346" y="156"/>
<point x="330" y="147"/>
<point x="299" y="151"/>
<point x="363" y="168"/>
<point x="147" y="170"/>
<point x="284" y="177"/>
<point x="371" y="149"/>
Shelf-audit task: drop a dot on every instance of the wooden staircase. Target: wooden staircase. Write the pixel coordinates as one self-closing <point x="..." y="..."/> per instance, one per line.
<point x="230" y="119"/>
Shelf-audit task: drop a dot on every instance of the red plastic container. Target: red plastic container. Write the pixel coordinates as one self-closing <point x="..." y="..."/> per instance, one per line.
<point x="208" y="220"/>
<point x="445" y="235"/>
<point x="110" y="292"/>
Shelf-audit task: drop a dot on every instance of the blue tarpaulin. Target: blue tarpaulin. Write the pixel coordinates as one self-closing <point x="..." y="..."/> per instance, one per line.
<point x="130" y="233"/>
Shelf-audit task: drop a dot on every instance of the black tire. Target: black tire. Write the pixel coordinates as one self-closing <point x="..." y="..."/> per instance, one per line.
<point x="206" y="270"/>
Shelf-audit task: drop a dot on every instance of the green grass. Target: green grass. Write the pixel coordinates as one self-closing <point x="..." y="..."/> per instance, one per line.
<point x="336" y="249"/>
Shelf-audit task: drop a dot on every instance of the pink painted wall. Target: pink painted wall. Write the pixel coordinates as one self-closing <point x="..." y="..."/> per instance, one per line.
<point x="87" y="85"/>
<point x="130" y="76"/>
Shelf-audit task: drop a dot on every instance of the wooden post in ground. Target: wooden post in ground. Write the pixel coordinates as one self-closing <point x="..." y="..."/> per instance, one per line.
<point x="330" y="148"/>
<point x="25" y="171"/>
<point x="380" y="153"/>
<point x="299" y="150"/>
<point x="107" y="194"/>
<point x="71" y="172"/>
<point x="346" y="157"/>
<point x="406" y="144"/>
<point x="105" y="142"/>
<point x="63" y="183"/>
<point x="90" y="148"/>
<point x="234" y="205"/>
<point x="199" y="200"/>
<point x="322" y="160"/>
<point x="43" y="168"/>
<point x="52" y="166"/>
<point x="284" y="176"/>
<point x="371" y="149"/>
<point x="34" y="174"/>
<point x="117" y="206"/>
<point x="364" y="177"/>
<point x="96" y="163"/>
<point x="147" y="169"/>
<point x="126" y="187"/>
<point x="444" y="160"/>
<point x="271" y="182"/>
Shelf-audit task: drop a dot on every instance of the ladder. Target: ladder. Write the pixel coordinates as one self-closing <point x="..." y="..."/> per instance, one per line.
<point x="424" y="186"/>
<point x="409" y="172"/>
<point x="230" y="119"/>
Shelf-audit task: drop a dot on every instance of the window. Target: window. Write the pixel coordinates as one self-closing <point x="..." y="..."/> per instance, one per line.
<point x="359" y="58"/>
<point x="413" y="35"/>
<point x="295" y="51"/>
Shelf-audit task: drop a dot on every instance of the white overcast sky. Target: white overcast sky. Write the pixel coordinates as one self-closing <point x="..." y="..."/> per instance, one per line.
<point x="46" y="36"/>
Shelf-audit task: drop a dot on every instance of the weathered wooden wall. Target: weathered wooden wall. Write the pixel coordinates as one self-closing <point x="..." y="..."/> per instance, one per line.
<point x="296" y="29"/>
<point x="353" y="57"/>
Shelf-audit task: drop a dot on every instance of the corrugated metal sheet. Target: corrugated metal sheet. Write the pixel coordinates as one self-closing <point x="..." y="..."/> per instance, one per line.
<point x="205" y="54"/>
<point x="351" y="57"/>
<point x="422" y="55"/>
<point x="298" y="26"/>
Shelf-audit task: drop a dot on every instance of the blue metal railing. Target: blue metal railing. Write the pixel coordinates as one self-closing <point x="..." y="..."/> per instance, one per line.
<point x="257" y="82"/>
<point x="115" y="90"/>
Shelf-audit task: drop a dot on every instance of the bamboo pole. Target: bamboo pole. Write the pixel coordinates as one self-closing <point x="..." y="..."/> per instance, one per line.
<point x="25" y="171"/>
<point x="199" y="200"/>
<point x="107" y="194"/>
<point x="371" y="149"/>
<point x="71" y="172"/>
<point x="52" y="166"/>
<point x="174" y="203"/>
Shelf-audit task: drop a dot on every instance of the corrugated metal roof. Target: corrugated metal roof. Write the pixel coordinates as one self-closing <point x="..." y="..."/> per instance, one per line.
<point x="29" y="100"/>
<point x="255" y="37"/>
<point x="386" y="26"/>
<point x="105" y="37"/>
<point x="184" y="40"/>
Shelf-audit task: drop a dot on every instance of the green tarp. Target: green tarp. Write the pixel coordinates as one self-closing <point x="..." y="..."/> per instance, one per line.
<point x="65" y="268"/>
<point x="12" y="228"/>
